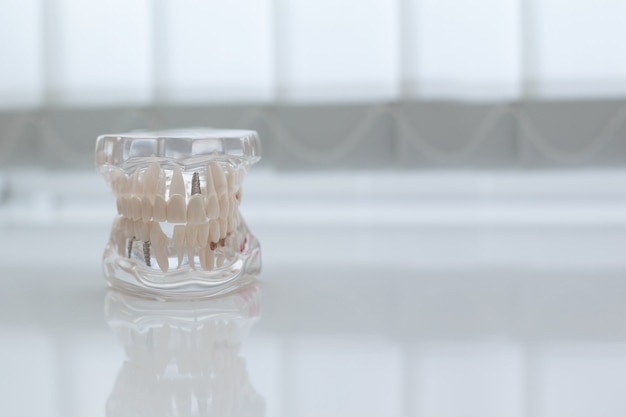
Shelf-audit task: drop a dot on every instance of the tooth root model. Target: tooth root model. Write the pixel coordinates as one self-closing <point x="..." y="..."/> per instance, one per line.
<point x="178" y="232"/>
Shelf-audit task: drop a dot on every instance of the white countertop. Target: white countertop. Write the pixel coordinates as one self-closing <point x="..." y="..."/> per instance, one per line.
<point x="483" y="301"/>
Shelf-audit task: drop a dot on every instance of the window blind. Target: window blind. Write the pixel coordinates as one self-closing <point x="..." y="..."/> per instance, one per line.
<point x="142" y="52"/>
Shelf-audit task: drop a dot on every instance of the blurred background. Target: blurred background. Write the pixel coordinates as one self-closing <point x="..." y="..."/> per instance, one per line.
<point x="329" y="84"/>
<point x="441" y="199"/>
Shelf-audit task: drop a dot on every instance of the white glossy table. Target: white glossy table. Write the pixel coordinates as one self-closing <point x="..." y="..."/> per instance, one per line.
<point x="462" y="304"/>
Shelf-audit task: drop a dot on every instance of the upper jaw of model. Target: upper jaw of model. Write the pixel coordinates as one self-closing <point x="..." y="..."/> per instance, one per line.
<point x="164" y="211"/>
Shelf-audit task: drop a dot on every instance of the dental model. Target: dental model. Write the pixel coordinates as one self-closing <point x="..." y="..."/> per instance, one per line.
<point x="178" y="232"/>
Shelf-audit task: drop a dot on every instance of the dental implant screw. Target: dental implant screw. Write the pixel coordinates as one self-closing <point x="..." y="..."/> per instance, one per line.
<point x="130" y="246"/>
<point x="195" y="184"/>
<point x="146" y="251"/>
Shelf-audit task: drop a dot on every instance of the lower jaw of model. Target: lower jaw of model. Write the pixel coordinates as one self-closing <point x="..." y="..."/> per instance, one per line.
<point x="180" y="233"/>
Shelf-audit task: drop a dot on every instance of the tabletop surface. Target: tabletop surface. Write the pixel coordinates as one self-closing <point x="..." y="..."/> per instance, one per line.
<point x="365" y="307"/>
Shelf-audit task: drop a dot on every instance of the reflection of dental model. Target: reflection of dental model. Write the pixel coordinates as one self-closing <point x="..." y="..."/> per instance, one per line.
<point x="179" y="231"/>
<point x="183" y="359"/>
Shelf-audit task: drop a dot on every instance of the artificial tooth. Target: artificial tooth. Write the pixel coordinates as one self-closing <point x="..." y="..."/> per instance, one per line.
<point x="213" y="206"/>
<point x="233" y="205"/>
<point x="146" y="209"/>
<point x="191" y="256"/>
<point x="160" y="209"/>
<point x="151" y="179"/>
<point x="214" y="230"/>
<point x="230" y="224"/>
<point x="159" y="245"/>
<point x="136" y="183"/>
<point x="219" y="258"/>
<point x="136" y="228"/>
<point x="219" y="179"/>
<point x="195" y="210"/>
<point x="135" y="206"/>
<point x="224" y="205"/>
<point x="125" y="185"/>
<point x="157" y="237"/>
<point x="126" y="225"/>
<point x="203" y="235"/>
<point x="178" y="241"/>
<point x="124" y="205"/>
<point x="210" y="185"/>
<point x="191" y="234"/>
<point x="177" y="186"/>
<point x="144" y="231"/>
<point x="223" y="228"/>
<point x="176" y="210"/>
<point x="231" y="178"/>
<point x="117" y="177"/>
<point x="207" y="258"/>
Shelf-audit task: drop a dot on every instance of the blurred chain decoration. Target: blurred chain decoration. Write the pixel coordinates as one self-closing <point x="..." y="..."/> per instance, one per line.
<point x="585" y="153"/>
<point x="344" y="147"/>
<point x="16" y="127"/>
<point x="406" y="133"/>
<point x="424" y="146"/>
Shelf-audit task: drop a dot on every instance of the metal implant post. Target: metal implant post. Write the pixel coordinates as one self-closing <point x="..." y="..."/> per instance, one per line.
<point x="146" y="251"/>
<point x="195" y="184"/>
<point x="130" y="246"/>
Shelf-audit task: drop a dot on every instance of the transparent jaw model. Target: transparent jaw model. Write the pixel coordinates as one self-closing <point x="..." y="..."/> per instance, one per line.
<point x="178" y="233"/>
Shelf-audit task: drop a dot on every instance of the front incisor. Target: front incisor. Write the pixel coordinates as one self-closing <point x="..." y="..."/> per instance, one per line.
<point x="195" y="210"/>
<point x="176" y="210"/>
<point x="160" y="209"/>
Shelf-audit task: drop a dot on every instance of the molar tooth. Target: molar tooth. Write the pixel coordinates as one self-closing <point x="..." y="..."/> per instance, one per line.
<point x="176" y="210"/>
<point x="234" y="205"/>
<point x="178" y="240"/>
<point x="223" y="228"/>
<point x="177" y="185"/>
<point x="224" y="205"/>
<point x="146" y="209"/>
<point x="195" y="210"/>
<point x="230" y="178"/>
<point x="135" y="207"/>
<point x="126" y="225"/>
<point x="125" y="205"/>
<point x="230" y="224"/>
<point x="203" y="235"/>
<point x="214" y="231"/>
<point x="136" y="183"/>
<point x="117" y="176"/>
<point x="160" y="209"/>
<point x="219" y="179"/>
